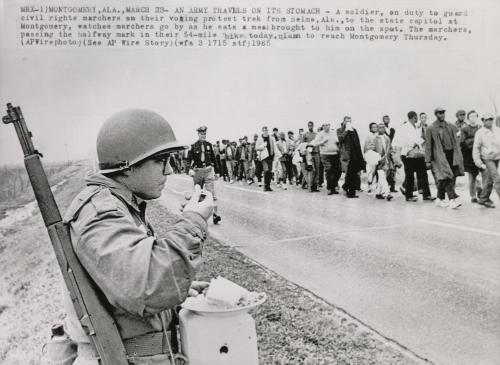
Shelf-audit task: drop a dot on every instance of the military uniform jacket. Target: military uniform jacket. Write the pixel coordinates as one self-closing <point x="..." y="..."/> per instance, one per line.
<point x="140" y="275"/>
<point x="195" y="155"/>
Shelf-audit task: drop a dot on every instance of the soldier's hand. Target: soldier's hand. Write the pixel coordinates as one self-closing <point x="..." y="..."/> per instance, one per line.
<point x="197" y="287"/>
<point x="205" y="207"/>
<point x="191" y="173"/>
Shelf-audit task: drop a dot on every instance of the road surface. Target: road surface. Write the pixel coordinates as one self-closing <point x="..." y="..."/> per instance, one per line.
<point x="426" y="277"/>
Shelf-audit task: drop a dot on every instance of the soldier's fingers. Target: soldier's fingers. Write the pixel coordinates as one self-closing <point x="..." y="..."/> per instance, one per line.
<point x="195" y="196"/>
<point x="193" y="293"/>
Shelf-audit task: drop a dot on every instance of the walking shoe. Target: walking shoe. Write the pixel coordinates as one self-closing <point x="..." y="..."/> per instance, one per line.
<point x="231" y="181"/>
<point x="389" y="197"/>
<point x="379" y="196"/>
<point x="441" y="203"/>
<point x="489" y="204"/>
<point x="473" y="200"/>
<point x="486" y="203"/>
<point x="250" y="182"/>
<point x="412" y="199"/>
<point x="259" y="184"/>
<point x="393" y="190"/>
<point x="454" y="204"/>
<point x="284" y="187"/>
<point x="217" y="218"/>
<point x="402" y="190"/>
<point x="314" y="191"/>
<point x="267" y="188"/>
<point x="350" y="196"/>
<point x="429" y="198"/>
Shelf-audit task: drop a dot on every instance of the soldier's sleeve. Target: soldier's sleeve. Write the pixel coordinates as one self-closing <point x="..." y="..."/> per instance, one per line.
<point x="136" y="272"/>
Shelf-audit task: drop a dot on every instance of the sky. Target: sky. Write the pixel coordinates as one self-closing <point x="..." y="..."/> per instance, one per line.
<point x="66" y="95"/>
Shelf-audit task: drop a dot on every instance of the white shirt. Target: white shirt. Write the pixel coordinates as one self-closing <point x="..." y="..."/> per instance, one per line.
<point x="407" y="137"/>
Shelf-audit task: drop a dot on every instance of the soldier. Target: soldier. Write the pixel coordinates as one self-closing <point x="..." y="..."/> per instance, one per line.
<point x="202" y="165"/>
<point x="142" y="277"/>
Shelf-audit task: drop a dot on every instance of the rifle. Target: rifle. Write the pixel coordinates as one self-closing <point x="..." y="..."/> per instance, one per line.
<point x="94" y="317"/>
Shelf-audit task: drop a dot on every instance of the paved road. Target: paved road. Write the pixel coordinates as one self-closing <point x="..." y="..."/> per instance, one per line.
<point x="424" y="276"/>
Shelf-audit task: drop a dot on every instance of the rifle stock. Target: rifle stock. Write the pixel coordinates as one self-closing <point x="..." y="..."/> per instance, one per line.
<point x="87" y="300"/>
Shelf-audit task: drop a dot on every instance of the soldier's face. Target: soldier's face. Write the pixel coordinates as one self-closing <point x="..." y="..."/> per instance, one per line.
<point x="202" y="136"/>
<point x="147" y="180"/>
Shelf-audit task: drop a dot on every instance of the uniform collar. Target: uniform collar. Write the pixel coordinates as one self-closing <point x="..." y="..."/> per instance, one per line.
<point x="117" y="189"/>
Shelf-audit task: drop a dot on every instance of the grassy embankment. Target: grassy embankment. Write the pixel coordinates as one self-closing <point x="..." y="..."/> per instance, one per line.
<point x="293" y="326"/>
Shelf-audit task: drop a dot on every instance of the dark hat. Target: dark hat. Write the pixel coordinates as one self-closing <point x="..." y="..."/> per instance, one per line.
<point x="202" y="129"/>
<point x="460" y="112"/>
<point x="439" y="109"/>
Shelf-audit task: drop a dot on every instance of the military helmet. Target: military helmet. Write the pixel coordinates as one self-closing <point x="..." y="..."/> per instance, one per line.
<point x="131" y="136"/>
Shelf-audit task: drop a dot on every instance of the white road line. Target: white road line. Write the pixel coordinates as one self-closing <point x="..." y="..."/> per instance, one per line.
<point x="464" y="228"/>
<point x="247" y="190"/>
<point x="354" y="229"/>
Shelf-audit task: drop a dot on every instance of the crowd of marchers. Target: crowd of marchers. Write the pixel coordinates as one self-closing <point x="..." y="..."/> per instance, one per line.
<point x="318" y="156"/>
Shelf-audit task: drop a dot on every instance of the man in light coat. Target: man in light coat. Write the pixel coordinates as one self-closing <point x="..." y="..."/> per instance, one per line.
<point x="486" y="154"/>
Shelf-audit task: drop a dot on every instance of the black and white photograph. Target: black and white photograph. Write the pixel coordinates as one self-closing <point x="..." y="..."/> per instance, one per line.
<point x="249" y="182"/>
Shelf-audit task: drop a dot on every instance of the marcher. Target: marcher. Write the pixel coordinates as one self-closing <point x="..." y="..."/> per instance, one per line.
<point x="203" y="168"/>
<point x="230" y="152"/>
<point x="276" y="171"/>
<point x="369" y="147"/>
<point x="382" y="150"/>
<point x="217" y="157"/>
<point x="391" y="171"/>
<point x="313" y="171"/>
<point x="283" y="147"/>
<point x="242" y="160"/>
<point x="460" y="122"/>
<point x="442" y="153"/>
<point x="256" y="161"/>
<point x="351" y="156"/>
<point x="466" y="143"/>
<point x="291" y="168"/>
<point x="410" y="143"/>
<point x="321" y="169"/>
<point x="265" y="147"/>
<point x="328" y="143"/>
<point x="389" y="131"/>
<point x="486" y="154"/>
<point x="223" y="166"/>
<point x="142" y="277"/>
